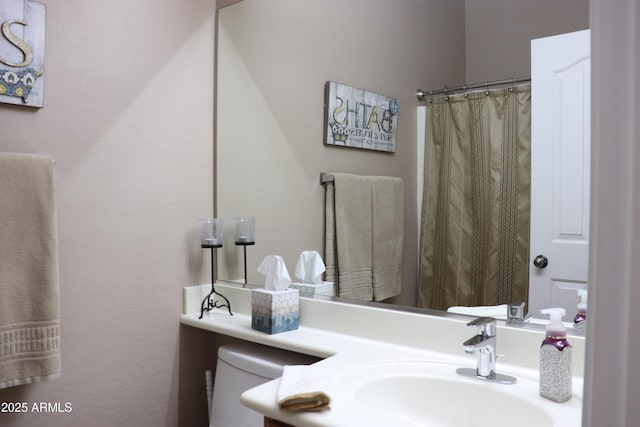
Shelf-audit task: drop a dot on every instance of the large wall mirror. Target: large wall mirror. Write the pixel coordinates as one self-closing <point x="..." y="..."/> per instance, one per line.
<point x="273" y="59"/>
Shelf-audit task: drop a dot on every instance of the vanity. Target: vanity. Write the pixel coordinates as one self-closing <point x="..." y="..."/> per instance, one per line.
<point x="397" y="366"/>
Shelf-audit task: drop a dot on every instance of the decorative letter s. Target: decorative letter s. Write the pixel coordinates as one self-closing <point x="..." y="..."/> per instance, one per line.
<point x="20" y="44"/>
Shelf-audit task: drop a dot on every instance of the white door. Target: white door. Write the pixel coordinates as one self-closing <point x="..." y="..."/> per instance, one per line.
<point x="560" y="165"/>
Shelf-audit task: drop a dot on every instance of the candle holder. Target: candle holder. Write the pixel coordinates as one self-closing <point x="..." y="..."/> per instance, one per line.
<point x="245" y="236"/>
<point x="211" y="238"/>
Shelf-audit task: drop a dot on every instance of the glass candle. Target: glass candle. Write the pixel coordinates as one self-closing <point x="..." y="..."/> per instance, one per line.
<point x="211" y="232"/>
<point x="245" y="230"/>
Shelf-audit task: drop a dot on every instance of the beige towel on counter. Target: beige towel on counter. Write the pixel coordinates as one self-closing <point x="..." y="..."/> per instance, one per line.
<point x="29" y="292"/>
<point x="364" y="226"/>
<point x="305" y="388"/>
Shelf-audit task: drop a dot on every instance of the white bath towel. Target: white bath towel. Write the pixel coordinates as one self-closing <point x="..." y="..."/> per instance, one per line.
<point x="29" y="294"/>
<point x="305" y="388"/>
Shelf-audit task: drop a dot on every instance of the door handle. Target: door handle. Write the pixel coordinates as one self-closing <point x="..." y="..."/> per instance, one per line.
<point x="540" y="261"/>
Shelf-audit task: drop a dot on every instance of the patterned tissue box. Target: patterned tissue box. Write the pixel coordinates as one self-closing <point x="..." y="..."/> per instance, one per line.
<point x="274" y="311"/>
<point x="322" y="288"/>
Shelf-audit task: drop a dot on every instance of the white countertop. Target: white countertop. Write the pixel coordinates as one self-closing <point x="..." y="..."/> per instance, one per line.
<point x="387" y="341"/>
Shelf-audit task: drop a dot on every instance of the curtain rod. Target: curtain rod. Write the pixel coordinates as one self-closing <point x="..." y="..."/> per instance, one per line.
<point x="420" y="94"/>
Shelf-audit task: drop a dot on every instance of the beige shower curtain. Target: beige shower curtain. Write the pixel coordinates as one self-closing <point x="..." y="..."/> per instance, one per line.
<point x="474" y="242"/>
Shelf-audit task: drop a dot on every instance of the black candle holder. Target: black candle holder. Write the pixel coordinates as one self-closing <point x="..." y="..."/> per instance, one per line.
<point x="209" y="303"/>
<point x="244" y="245"/>
<point x="211" y="238"/>
<point x="245" y="236"/>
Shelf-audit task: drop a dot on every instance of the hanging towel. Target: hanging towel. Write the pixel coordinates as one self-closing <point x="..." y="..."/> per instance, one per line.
<point x="364" y="225"/>
<point x="29" y="293"/>
<point x="388" y="230"/>
<point x="330" y="257"/>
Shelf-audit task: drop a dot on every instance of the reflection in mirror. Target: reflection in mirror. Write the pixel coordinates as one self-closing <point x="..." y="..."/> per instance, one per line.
<point x="475" y="221"/>
<point x="273" y="61"/>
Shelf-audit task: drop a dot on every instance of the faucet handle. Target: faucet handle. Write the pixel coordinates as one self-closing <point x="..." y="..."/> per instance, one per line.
<point x="486" y="325"/>
<point x="515" y="312"/>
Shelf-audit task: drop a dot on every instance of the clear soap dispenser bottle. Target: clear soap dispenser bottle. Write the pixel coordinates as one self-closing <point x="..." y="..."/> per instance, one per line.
<point x="580" y="319"/>
<point x="556" y="357"/>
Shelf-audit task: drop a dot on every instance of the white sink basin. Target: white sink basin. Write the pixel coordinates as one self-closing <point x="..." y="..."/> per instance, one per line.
<point x="418" y="393"/>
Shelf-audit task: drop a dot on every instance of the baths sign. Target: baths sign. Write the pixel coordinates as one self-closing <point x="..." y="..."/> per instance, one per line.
<point x="360" y="119"/>
<point x="22" y="52"/>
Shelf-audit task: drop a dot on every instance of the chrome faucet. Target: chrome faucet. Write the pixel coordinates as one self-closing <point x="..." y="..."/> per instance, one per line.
<point x="484" y="345"/>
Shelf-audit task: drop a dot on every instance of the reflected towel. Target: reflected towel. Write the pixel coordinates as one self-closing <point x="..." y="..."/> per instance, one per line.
<point x="364" y="227"/>
<point x="354" y="236"/>
<point x="29" y="294"/>
<point x="495" y="311"/>
<point x="305" y="388"/>
<point x="388" y="231"/>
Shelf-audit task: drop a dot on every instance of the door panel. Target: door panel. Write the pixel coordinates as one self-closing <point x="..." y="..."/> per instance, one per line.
<point x="560" y="159"/>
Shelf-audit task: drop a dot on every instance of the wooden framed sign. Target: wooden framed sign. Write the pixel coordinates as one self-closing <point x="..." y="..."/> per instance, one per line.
<point x="359" y="118"/>
<point x="22" y="52"/>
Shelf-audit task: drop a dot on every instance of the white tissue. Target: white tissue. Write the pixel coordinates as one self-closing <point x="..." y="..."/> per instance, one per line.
<point x="276" y="275"/>
<point x="310" y="267"/>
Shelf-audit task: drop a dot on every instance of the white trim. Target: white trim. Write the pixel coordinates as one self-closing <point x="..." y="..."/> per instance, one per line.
<point x="612" y="381"/>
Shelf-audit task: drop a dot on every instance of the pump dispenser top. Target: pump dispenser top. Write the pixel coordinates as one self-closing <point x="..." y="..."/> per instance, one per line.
<point x="581" y="316"/>
<point x="582" y="305"/>
<point x="555" y="327"/>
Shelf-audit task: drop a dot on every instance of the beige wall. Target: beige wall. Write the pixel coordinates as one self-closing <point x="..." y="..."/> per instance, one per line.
<point x="499" y="33"/>
<point x="128" y="118"/>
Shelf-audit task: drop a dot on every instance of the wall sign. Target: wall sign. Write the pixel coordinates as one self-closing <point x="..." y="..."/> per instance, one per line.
<point x="22" y="52"/>
<point x="360" y="119"/>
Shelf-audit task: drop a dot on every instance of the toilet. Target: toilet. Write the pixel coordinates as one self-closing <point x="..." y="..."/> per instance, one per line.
<point x="240" y="367"/>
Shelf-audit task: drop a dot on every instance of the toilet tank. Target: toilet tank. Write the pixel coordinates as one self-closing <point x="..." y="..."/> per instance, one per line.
<point x="242" y="366"/>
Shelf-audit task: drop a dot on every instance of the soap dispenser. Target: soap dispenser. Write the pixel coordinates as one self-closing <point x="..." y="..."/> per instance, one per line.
<point x="555" y="359"/>
<point x="580" y="319"/>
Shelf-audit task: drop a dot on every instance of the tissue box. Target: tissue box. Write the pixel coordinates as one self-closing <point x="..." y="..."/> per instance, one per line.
<point x="322" y="288"/>
<point x="274" y="311"/>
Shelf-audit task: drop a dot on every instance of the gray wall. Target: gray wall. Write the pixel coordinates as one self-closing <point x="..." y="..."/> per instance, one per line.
<point x="499" y="33"/>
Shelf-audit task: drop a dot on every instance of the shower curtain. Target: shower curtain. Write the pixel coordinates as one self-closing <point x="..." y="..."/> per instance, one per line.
<point x="474" y="238"/>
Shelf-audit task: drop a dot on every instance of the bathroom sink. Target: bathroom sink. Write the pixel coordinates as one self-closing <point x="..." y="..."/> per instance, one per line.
<point x="418" y="393"/>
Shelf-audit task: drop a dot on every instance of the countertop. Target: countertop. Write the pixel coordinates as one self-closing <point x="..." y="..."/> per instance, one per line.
<point x="350" y="349"/>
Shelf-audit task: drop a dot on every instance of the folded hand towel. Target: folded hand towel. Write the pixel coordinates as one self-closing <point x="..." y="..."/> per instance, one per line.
<point x="495" y="311"/>
<point x="29" y="294"/>
<point x="305" y="388"/>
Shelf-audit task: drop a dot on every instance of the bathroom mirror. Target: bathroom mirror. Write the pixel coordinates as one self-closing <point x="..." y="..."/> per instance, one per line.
<point x="273" y="59"/>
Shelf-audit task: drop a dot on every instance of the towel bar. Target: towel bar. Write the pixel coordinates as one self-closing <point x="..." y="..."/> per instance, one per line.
<point x="325" y="177"/>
